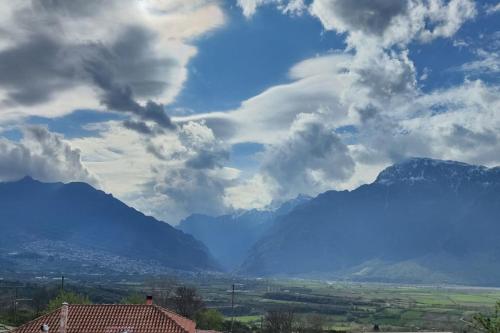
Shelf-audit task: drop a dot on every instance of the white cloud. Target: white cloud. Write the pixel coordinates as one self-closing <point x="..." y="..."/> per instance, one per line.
<point x="310" y="160"/>
<point x="340" y="119"/>
<point x="266" y="118"/>
<point x="293" y="7"/>
<point x="144" y="44"/>
<point x="168" y="176"/>
<point x="493" y="9"/>
<point x="44" y="156"/>
<point x="373" y="88"/>
<point x="487" y="62"/>
<point x="394" y="21"/>
<point x="250" y="6"/>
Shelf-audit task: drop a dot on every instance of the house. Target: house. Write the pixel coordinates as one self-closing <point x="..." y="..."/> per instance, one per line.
<point x="110" y="318"/>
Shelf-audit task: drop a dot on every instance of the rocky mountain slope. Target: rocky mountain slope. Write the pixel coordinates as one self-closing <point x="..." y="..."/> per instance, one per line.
<point x="229" y="237"/>
<point x="422" y="220"/>
<point x="48" y="227"/>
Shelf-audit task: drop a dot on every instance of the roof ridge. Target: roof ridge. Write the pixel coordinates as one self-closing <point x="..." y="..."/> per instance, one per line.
<point x="109" y="304"/>
<point x="175" y="317"/>
<point x="116" y="314"/>
<point x="48" y="314"/>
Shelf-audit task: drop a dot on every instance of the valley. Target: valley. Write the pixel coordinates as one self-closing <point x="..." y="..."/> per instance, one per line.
<point x="337" y="305"/>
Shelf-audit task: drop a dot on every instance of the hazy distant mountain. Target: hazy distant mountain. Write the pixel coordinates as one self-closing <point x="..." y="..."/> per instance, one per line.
<point x="229" y="237"/>
<point x="422" y="220"/>
<point x="76" y="228"/>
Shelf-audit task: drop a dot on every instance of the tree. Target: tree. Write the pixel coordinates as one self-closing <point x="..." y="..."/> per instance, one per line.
<point x="68" y="297"/>
<point x="312" y="323"/>
<point x="278" y="321"/>
<point x="41" y="298"/>
<point x="490" y="324"/>
<point x="237" y="326"/>
<point x="134" y="298"/>
<point x="162" y="289"/>
<point x="210" y="319"/>
<point x="187" y="302"/>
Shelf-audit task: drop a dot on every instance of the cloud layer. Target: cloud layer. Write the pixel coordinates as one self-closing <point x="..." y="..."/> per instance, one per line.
<point x="337" y="119"/>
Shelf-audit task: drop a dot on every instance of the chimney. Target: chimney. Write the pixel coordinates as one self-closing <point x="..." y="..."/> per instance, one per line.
<point x="63" y="322"/>
<point x="149" y="300"/>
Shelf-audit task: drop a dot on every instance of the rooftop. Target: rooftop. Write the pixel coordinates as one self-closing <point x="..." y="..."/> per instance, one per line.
<point x="117" y="318"/>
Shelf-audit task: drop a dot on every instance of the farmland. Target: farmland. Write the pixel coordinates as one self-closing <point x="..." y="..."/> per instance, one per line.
<point x="339" y="306"/>
<point x="354" y="306"/>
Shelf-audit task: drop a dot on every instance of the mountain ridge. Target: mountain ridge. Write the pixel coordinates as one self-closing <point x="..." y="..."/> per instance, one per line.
<point x="429" y="214"/>
<point x="101" y="227"/>
<point x="230" y="236"/>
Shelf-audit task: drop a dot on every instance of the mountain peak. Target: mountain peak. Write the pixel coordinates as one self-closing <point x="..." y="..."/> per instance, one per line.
<point x="27" y="180"/>
<point x="415" y="170"/>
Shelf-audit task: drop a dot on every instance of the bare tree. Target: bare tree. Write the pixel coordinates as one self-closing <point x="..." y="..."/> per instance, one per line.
<point x="279" y="321"/>
<point x="312" y="323"/>
<point x="187" y="302"/>
<point x="162" y="290"/>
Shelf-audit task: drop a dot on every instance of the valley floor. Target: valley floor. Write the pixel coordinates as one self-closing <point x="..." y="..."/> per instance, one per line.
<point x="341" y="306"/>
<point x="358" y="306"/>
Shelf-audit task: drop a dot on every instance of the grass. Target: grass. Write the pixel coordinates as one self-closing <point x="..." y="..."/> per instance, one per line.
<point x="342" y="305"/>
<point x="358" y="306"/>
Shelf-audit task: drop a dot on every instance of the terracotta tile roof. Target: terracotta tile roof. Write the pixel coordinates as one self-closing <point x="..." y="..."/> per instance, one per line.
<point x="113" y="319"/>
<point x="187" y="324"/>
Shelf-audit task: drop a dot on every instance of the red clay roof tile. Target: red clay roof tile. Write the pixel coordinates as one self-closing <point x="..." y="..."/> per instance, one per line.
<point x="113" y="319"/>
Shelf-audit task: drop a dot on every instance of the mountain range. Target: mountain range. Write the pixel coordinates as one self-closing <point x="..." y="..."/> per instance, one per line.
<point x="421" y="220"/>
<point x="229" y="237"/>
<point x="51" y="227"/>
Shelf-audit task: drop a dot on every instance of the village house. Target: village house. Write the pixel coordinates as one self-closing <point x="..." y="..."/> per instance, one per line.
<point x="110" y="318"/>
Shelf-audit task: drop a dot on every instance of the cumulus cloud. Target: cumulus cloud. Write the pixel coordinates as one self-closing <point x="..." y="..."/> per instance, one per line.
<point x="310" y="160"/>
<point x="459" y="123"/>
<point x="368" y="16"/>
<point x="137" y="51"/>
<point x="249" y="7"/>
<point x="195" y="180"/>
<point x="339" y="119"/>
<point x="392" y="21"/>
<point x="44" y="156"/>
<point x="169" y="175"/>
<point x="371" y="89"/>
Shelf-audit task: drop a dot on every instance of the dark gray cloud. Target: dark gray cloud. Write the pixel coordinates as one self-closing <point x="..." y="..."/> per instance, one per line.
<point x="34" y="69"/>
<point x="45" y="62"/>
<point x="44" y="156"/>
<point x="368" y="112"/>
<point x="369" y="16"/>
<point x="107" y="67"/>
<point x="466" y="139"/>
<point x="75" y="8"/>
<point x="138" y="126"/>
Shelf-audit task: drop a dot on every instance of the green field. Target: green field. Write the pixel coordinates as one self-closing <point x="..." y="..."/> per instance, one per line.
<point x="354" y="306"/>
<point x="343" y="306"/>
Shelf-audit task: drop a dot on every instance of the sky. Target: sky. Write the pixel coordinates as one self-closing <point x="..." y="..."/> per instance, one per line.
<point x="209" y="106"/>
